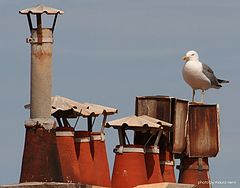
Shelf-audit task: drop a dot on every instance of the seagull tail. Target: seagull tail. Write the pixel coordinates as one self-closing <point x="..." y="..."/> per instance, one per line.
<point x="222" y="81"/>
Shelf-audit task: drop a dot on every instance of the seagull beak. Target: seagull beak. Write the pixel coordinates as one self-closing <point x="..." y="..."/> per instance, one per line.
<point x="185" y="58"/>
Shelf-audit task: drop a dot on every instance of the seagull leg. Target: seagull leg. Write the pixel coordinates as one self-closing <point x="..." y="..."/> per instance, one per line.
<point x="203" y="95"/>
<point x="193" y="94"/>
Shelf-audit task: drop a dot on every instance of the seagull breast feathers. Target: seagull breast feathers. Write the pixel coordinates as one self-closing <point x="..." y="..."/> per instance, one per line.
<point x="194" y="76"/>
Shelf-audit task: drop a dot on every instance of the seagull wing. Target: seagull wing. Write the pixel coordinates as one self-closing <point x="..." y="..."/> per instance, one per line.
<point x="210" y="75"/>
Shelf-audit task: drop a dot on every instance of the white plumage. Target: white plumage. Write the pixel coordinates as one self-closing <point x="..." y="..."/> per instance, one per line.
<point x="199" y="75"/>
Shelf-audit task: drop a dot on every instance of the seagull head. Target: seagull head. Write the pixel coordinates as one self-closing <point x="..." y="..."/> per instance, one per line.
<point x="190" y="56"/>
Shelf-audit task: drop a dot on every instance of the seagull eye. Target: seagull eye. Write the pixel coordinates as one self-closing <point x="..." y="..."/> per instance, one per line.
<point x="192" y="54"/>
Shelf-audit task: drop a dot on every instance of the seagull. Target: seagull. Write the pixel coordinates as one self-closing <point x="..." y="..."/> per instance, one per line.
<point x="199" y="75"/>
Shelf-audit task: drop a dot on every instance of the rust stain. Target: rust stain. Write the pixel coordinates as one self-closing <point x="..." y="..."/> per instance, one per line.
<point x="154" y="106"/>
<point x="180" y="126"/>
<point x="203" y="130"/>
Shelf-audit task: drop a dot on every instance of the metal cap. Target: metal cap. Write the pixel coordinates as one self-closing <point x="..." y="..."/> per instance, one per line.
<point x="40" y="9"/>
<point x="133" y="122"/>
<point x="72" y="109"/>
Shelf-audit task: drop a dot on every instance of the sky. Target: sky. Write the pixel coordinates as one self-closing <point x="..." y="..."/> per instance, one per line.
<point x="109" y="52"/>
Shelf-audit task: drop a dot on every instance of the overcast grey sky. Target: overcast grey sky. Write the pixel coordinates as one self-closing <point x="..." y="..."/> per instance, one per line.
<point x="108" y="52"/>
